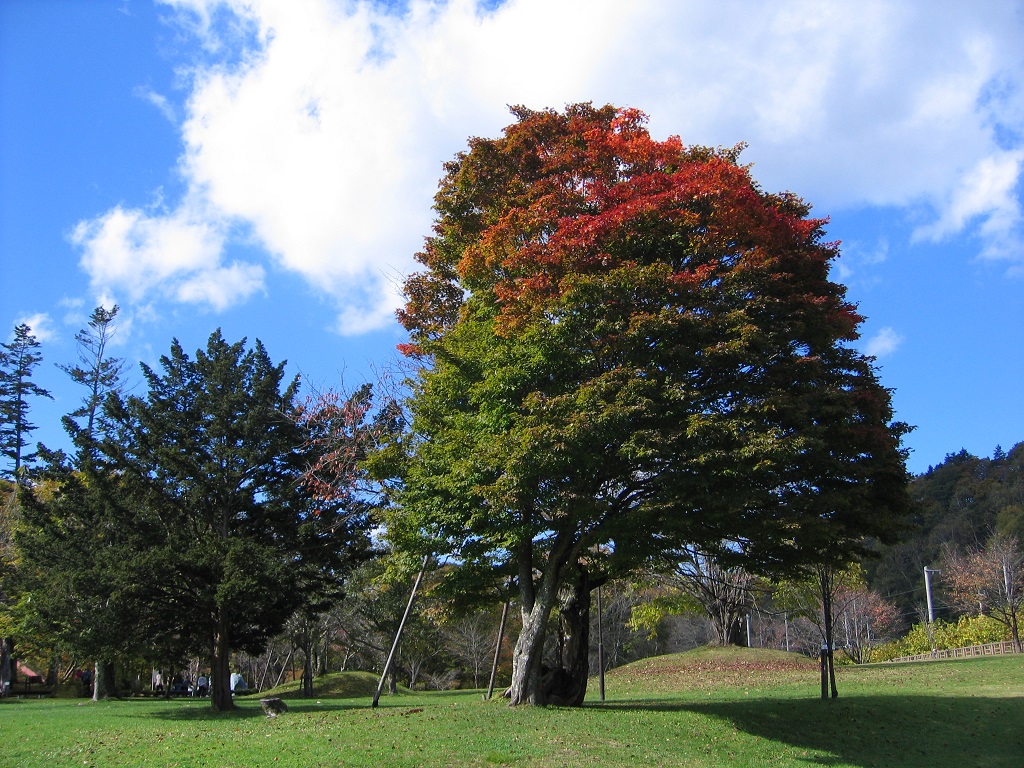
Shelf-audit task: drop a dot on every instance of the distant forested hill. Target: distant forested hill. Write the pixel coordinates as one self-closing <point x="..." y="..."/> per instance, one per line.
<point x="961" y="502"/>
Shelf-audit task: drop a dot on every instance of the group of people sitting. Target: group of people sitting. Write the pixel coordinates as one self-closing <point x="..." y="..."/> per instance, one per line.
<point x="181" y="685"/>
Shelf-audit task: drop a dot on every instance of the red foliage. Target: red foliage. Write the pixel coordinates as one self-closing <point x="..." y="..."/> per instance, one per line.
<point x="565" y="196"/>
<point x="339" y="437"/>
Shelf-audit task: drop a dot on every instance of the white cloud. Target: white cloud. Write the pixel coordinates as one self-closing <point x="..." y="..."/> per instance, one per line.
<point x="132" y="253"/>
<point x="856" y="255"/>
<point x="321" y="125"/>
<point x="158" y="100"/>
<point x="987" y="192"/>
<point x="883" y="343"/>
<point x="222" y="286"/>
<point x="41" y="324"/>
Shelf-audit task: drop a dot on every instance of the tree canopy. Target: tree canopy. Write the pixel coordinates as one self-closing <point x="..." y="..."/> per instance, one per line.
<point x="628" y="347"/>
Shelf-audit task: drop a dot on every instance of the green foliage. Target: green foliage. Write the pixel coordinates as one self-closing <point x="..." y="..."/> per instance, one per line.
<point x="78" y="569"/>
<point x="964" y="632"/>
<point x="960" y="502"/>
<point x="188" y="529"/>
<point x="75" y="566"/>
<point x="648" y="615"/>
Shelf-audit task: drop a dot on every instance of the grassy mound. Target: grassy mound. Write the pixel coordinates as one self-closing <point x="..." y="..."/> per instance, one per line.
<point x="338" y="685"/>
<point x="712" y="668"/>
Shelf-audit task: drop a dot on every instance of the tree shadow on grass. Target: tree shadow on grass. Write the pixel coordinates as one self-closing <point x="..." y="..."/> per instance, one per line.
<point x="892" y="730"/>
<point x="195" y="711"/>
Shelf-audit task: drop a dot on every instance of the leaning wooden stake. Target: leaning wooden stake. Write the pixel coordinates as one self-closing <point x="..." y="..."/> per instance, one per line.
<point x="398" y="634"/>
<point x="266" y="671"/>
<point x="497" y="650"/>
<point x="284" y="668"/>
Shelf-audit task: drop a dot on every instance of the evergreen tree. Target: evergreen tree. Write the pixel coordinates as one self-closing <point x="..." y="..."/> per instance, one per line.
<point x="97" y="371"/>
<point x="78" y="567"/>
<point x="207" y="469"/>
<point x="18" y="359"/>
<point x="101" y="375"/>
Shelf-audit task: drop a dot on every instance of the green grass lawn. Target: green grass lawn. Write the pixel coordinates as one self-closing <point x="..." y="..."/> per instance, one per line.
<point x="706" y="708"/>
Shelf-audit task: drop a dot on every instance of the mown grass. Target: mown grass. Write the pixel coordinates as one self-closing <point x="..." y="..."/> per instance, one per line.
<point x="341" y="685"/>
<point x="706" y="708"/>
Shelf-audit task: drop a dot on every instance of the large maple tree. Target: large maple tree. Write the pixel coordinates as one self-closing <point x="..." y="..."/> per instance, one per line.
<point x="628" y="346"/>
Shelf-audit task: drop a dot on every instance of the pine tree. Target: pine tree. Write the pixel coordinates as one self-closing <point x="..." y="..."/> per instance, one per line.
<point x="97" y="371"/>
<point x="101" y="375"/>
<point x="18" y="359"/>
<point x="207" y="468"/>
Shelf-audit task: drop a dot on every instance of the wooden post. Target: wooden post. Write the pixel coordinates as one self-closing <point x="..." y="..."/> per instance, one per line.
<point x="398" y="634"/>
<point x="824" y="671"/>
<point x="497" y="650"/>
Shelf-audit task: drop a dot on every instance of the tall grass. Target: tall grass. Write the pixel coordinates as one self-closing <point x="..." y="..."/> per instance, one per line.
<point x="705" y="708"/>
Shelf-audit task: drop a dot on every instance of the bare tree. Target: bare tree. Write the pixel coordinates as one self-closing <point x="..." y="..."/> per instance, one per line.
<point x="471" y="640"/>
<point x="725" y="594"/>
<point x="990" y="578"/>
<point x="863" y="619"/>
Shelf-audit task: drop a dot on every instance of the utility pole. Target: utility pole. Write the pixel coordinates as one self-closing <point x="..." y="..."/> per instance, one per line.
<point x="928" y="591"/>
<point x="931" y="606"/>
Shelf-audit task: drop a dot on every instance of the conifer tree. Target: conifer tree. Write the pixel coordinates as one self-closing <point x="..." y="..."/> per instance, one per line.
<point x="18" y="359"/>
<point x="100" y="373"/>
<point x="207" y="468"/>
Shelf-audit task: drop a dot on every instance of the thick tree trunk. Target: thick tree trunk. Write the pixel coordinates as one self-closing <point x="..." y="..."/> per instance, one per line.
<point x="220" y="668"/>
<point x="526" y="685"/>
<point x="103" y="685"/>
<point x="566" y="684"/>
<point x="536" y="603"/>
<point x="728" y="630"/>
<point x="827" y="582"/>
<point x="726" y="616"/>
<point x="307" y="669"/>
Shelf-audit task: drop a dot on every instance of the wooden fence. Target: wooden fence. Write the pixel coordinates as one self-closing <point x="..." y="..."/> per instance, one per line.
<point x="989" y="649"/>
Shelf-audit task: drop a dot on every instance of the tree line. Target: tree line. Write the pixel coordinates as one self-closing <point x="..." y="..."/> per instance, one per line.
<point x="628" y="366"/>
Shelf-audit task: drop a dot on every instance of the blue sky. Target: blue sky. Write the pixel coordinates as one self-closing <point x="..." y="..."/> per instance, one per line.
<point x="267" y="167"/>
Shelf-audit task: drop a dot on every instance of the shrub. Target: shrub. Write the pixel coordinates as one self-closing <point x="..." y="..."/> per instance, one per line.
<point x="967" y="631"/>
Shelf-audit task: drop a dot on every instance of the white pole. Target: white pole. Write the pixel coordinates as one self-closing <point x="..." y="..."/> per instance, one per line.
<point x="928" y="591"/>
